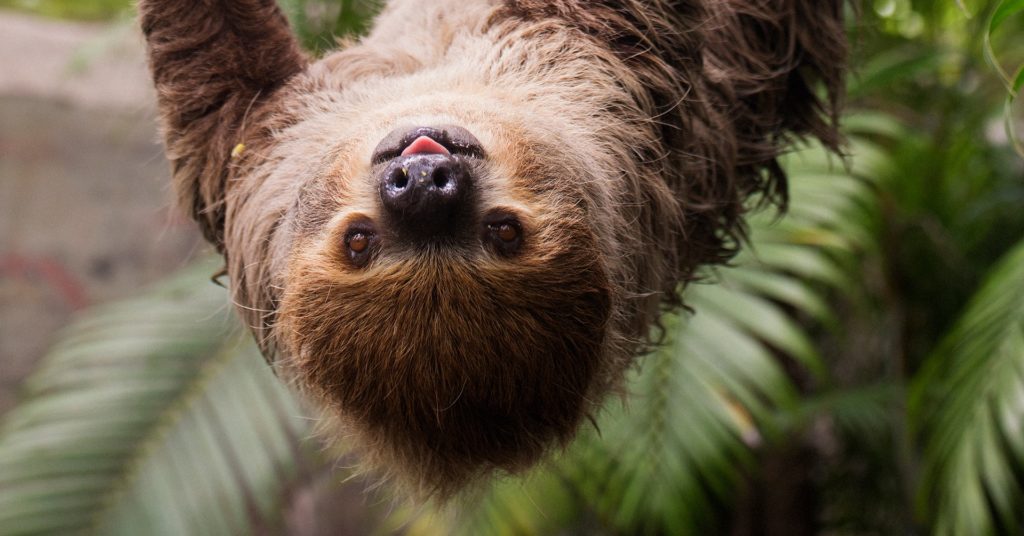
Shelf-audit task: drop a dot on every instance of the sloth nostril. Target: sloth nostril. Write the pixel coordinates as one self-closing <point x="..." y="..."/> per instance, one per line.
<point x="441" y="177"/>
<point x="400" y="178"/>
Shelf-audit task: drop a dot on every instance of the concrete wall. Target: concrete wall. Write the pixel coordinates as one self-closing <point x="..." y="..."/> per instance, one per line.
<point x="85" y="209"/>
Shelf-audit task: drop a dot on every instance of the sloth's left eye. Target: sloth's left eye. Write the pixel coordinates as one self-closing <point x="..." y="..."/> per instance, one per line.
<point x="358" y="243"/>
<point x="504" y="235"/>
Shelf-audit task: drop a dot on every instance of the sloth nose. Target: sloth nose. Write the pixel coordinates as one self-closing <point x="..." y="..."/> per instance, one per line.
<point x="425" y="193"/>
<point x="426" y="185"/>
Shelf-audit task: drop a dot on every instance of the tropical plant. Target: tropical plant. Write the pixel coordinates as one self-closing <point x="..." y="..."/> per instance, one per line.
<point x="968" y="403"/>
<point x="155" y="415"/>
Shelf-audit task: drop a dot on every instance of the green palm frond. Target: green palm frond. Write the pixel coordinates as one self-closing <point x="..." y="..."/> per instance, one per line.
<point x="703" y="402"/>
<point x="968" y="404"/>
<point x="151" y="416"/>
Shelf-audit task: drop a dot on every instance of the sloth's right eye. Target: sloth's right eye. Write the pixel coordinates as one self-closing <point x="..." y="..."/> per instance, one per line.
<point x="359" y="245"/>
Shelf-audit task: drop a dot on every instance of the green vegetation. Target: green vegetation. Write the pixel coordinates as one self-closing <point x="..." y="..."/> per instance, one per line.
<point x="867" y="349"/>
<point x="72" y="9"/>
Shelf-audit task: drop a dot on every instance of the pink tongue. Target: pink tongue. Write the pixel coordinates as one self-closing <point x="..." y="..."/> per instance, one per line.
<point x="424" y="145"/>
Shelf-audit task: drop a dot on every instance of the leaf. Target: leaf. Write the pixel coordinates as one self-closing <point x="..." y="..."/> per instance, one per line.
<point x="1003" y="11"/>
<point x="151" y="416"/>
<point x="861" y="411"/>
<point x="896" y="65"/>
<point x="1014" y="83"/>
<point x="758" y="318"/>
<point x="968" y="408"/>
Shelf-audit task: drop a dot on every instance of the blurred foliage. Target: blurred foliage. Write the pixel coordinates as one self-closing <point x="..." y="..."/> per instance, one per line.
<point x="968" y="403"/>
<point x="320" y="23"/>
<point x="72" y="9"/>
<point x="156" y="415"/>
<point x="878" y="326"/>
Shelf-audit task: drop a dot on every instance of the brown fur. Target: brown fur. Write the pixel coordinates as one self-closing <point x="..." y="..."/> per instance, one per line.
<point x="626" y="136"/>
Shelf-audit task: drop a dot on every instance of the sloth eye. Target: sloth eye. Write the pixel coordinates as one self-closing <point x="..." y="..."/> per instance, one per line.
<point x="359" y="246"/>
<point x="507" y="233"/>
<point x="358" y="243"/>
<point x="505" y="236"/>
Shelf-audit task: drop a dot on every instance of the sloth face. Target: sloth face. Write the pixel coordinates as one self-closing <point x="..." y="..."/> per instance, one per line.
<point x="445" y="295"/>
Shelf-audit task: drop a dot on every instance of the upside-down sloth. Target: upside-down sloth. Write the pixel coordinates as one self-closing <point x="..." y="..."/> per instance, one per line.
<point x="455" y="234"/>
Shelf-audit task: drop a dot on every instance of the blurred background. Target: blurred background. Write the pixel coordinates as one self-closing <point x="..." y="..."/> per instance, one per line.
<point x="858" y="370"/>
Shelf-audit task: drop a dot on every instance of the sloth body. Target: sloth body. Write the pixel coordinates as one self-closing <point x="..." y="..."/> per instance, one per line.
<point x="455" y="234"/>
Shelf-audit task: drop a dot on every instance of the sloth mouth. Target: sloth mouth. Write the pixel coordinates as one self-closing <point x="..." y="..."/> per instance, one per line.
<point x="444" y="139"/>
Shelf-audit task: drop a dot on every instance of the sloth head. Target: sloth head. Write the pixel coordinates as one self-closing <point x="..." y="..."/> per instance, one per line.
<point x="445" y="296"/>
<point x="431" y="264"/>
<point x="456" y="234"/>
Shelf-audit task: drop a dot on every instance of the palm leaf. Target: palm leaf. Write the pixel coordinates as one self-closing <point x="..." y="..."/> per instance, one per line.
<point x="968" y="405"/>
<point x="150" y="416"/>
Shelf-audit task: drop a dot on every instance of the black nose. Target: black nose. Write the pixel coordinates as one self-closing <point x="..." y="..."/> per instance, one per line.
<point x="426" y="182"/>
<point x="426" y="194"/>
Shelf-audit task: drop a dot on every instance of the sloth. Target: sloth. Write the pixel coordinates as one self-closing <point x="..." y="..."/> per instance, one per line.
<point x="456" y="234"/>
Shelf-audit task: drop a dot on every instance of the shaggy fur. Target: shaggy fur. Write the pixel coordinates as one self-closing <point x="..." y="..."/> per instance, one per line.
<point x="624" y="136"/>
